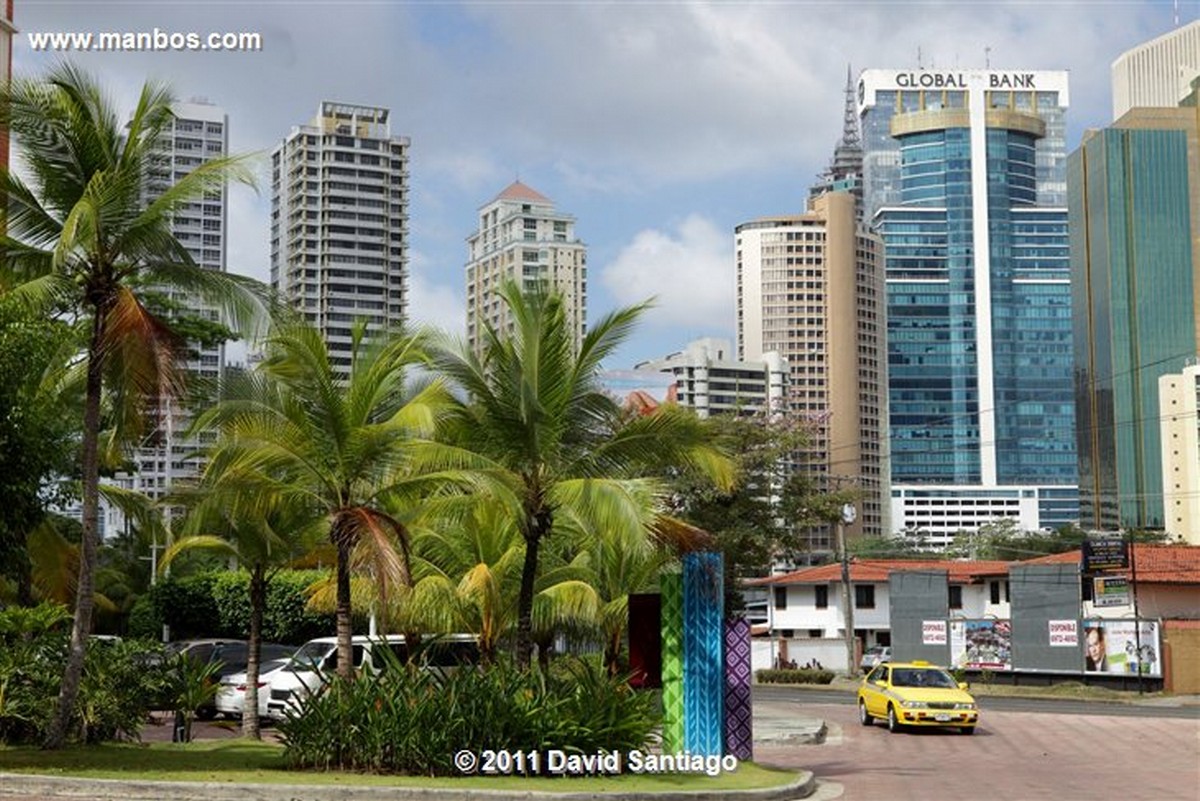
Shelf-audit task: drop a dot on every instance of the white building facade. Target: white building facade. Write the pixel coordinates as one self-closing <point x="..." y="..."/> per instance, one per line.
<point x="1157" y="73"/>
<point x="709" y="379"/>
<point x="1179" y="399"/>
<point x="339" y="223"/>
<point x="523" y="237"/>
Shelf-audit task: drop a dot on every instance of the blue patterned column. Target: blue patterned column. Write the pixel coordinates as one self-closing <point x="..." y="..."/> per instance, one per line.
<point x="704" y="663"/>
<point x="739" y="730"/>
<point x="671" y="587"/>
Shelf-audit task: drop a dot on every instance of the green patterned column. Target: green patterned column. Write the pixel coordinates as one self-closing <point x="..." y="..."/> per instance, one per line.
<point x="671" y="586"/>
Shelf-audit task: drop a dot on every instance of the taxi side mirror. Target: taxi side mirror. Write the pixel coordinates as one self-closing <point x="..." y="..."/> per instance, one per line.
<point x="962" y="685"/>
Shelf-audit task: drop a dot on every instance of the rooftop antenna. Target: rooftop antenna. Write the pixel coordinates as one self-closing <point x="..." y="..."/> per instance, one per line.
<point x="920" y="64"/>
<point x="987" y="57"/>
<point x="1176" y="13"/>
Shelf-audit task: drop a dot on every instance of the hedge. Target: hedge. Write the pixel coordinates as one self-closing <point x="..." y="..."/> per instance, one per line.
<point x="218" y="605"/>
<point x="797" y="676"/>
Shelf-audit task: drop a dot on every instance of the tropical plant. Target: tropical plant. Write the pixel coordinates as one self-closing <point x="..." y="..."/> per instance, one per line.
<point x="541" y="427"/>
<point x="304" y="433"/>
<point x="263" y="534"/>
<point x="83" y="236"/>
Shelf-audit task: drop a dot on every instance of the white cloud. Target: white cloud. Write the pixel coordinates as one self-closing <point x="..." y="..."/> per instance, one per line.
<point x="689" y="271"/>
<point x="431" y="303"/>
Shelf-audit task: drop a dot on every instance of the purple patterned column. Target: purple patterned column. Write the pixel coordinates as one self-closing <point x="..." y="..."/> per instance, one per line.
<point x="739" y="730"/>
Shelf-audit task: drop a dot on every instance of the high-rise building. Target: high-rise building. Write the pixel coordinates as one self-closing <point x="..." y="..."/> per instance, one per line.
<point x="1135" y="260"/>
<point x="199" y="132"/>
<point x="339" y="223"/>
<point x="964" y="179"/>
<point x="709" y="379"/>
<point x="1158" y="73"/>
<point x="1178" y="403"/>
<point x="7" y="31"/>
<point x="844" y="173"/>
<point x="522" y="237"/>
<point x="809" y="287"/>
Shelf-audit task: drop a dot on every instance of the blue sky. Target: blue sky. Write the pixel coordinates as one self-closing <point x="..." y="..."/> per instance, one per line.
<point x="660" y="126"/>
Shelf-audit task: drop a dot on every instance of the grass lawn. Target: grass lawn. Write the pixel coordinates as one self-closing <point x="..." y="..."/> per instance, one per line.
<point x="244" y="761"/>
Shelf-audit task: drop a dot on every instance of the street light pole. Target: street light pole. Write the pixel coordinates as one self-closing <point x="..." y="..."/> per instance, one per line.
<point x="848" y="515"/>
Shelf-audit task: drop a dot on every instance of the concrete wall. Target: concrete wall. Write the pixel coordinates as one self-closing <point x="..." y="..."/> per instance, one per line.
<point x="1181" y="642"/>
<point x="830" y="653"/>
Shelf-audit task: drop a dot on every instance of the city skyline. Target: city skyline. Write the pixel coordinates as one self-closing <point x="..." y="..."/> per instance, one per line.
<point x="658" y="127"/>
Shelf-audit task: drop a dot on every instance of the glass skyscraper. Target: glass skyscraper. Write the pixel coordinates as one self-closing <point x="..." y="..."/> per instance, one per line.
<point x="964" y="177"/>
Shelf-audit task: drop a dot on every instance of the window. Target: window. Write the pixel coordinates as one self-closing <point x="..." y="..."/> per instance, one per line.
<point x="822" y="596"/>
<point x="781" y="597"/>
<point x="956" y="596"/>
<point x="1006" y="598"/>
<point x="995" y="592"/>
<point x="864" y="596"/>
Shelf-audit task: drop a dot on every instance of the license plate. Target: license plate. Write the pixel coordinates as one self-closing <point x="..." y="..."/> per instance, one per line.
<point x="941" y="718"/>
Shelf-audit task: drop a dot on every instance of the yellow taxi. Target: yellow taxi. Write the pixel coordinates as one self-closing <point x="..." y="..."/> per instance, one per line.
<point x="915" y="694"/>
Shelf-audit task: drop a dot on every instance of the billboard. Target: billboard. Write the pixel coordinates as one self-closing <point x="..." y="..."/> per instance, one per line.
<point x="1111" y="646"/>
<point x="981" y="644"/>
<point x="1105" y="554"/>
<point x="1110" y="591"/>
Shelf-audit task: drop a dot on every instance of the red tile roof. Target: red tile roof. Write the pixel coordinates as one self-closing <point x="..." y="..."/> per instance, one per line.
<point x="519" y="191"/>
<point x="1156" y="564"/>
<point x="877" y="570"/>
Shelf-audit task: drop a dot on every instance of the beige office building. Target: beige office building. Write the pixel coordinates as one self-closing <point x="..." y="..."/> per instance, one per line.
<point x="522" y="236"/>
<point x="1157" y="73"/>
<point x="810" y="287"/>
<point x="1178" y="402"/>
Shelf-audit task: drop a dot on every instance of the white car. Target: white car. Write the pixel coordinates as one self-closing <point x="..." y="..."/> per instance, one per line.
<point x="231" y="693"/>
<point x="875" y="655"/>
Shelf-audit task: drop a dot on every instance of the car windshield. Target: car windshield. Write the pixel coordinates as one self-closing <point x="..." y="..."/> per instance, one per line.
<point x="923" y="677"/>
<point x="309" y="656"/>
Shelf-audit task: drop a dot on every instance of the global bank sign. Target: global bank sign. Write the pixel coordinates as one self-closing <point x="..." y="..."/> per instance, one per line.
<point x="958" y="80"/>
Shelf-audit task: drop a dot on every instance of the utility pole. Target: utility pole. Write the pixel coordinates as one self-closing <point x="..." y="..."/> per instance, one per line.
<point x="849" y="513"/>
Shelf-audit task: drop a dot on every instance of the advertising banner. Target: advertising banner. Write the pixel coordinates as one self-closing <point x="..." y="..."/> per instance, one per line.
<point x="1105" y="554"/>
<point x="1111" y="646"/>
<point x="1064" y="633"/>
<point x="1110" y="591"/>
<point x="981" y="644"/>
<point x="933" y="632"/>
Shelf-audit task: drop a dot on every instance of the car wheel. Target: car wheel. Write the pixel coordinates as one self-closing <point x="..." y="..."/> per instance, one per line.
<point x="967" y="729"/>
<point x="894" y="724"/>
<point x="206" y="713"/>
<point x="864" y="717"/>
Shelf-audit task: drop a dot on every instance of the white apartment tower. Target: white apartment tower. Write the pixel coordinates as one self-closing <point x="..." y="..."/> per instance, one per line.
<point x="710" y="380"/>
<point x="339" y="223"/>
<point x="199" y="132"/>
<point x="1178" y="402"/>
<point x="523" y="237"/>
<point x="1158" y="73"/>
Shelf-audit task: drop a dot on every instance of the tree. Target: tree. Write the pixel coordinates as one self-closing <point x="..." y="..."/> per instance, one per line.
<point x="229" y="515"/>
<point x="547" y="435"/>
<point x="82" y="235"/>
<point x="39" y="395"/>
<point x="299" y="431"/>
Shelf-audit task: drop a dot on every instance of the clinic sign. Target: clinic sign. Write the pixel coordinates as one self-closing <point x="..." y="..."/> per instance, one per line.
<point x="958" y="80"/>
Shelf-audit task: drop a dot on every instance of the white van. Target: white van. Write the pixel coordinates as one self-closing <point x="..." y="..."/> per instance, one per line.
<point x="316" y="661"/>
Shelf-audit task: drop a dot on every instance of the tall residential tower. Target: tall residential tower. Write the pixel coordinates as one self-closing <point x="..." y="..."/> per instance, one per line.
<point x="1158" y="73"/>
<point x="522" y="237"/>
<point x="339" y="222"/>
<point x="809" y="287"/>
<point x="964" y="179"/>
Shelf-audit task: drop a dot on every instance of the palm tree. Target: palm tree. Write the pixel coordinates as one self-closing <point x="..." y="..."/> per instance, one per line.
<point x="230" y="514"/>
<point x="550" y="437"/>
<point x="82" y="233"/>
<point x="336" y="444"/>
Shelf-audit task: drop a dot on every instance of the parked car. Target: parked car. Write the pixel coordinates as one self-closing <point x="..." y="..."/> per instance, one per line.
<point x="875" y="655"/>
<point x="916" y="694"/>
<point x="312" y="665"/>
<point x="230" y="656"/>
<point x="230" y="700"/>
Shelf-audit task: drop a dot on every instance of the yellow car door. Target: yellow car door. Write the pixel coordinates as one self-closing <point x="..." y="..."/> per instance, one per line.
<point x="875" y="691"/>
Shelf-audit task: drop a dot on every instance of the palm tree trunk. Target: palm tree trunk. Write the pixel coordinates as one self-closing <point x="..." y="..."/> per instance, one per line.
<point x="525" y="600"/>
<point x="81" y="627"/>
<point x="258" y="602"/>
<point x="345" y="631"/>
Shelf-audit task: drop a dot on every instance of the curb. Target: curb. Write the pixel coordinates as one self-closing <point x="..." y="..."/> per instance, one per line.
<point x="23" y="784"/>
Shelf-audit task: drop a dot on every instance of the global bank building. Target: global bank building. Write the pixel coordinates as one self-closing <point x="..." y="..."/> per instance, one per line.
<point x="964" y="177"/>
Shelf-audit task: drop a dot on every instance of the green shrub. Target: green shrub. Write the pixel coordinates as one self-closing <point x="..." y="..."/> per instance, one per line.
<point x="145" y="623"/>
<point x="405" y="720"/>
<point x="115" y="692"/>
<point x="796" y="676"/>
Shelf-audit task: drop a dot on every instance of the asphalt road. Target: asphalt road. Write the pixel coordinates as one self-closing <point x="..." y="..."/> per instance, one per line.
<point x="1051" y="706"/>
<point x="1045" y="755"/>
